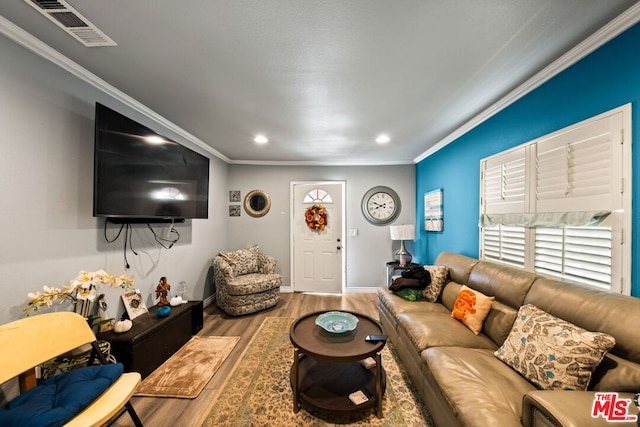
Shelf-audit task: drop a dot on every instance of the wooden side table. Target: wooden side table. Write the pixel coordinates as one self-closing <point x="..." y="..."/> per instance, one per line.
<point x="393" y="266"/>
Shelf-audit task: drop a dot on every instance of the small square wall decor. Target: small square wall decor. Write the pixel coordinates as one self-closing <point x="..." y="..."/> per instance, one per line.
<point x="234" y="210"/>
<point x="234" y="195"/>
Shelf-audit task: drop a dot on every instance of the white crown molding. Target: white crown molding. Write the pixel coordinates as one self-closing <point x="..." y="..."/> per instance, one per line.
<point x="319" y="163"/>
<point x="614" y="28"/>
<point x="23" y="38"/>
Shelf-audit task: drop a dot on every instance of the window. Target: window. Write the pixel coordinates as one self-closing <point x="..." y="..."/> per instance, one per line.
<point x="317" y="195"/>
<point x="558" y="206"/>
<point x="582" y="254"/>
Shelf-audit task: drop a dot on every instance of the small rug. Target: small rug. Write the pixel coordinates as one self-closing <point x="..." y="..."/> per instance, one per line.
<point x="185" y="374"/>
<point x="258" y="391"/>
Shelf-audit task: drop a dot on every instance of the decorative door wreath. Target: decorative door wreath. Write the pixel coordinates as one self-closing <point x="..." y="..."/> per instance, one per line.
<point x="316" y="217"/>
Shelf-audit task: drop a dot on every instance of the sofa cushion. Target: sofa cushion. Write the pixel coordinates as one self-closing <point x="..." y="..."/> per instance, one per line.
<point x="60" y="398"/>
<point x="508" y="285"/>
<point x="460" y="266"/>
<point x="481" y="390"/>
<point x="551" y="352"/>
<point x="439" y="276"/>
<point x="471" y="308"/>
<point x="437" y="328"/>
<point x="396" y="305"/>
<point x="252" y="283"/>
<point x="243" y="261"/>
<point x="499" y="322"/>
<point x="616" y="374"/>
<point x="592" y="310"/>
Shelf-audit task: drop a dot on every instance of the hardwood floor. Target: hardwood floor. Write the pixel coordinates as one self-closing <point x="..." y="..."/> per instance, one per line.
<point x="160" y="412"/>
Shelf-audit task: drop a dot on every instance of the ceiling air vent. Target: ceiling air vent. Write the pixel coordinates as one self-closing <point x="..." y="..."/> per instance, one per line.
<point x="70" y="20"/>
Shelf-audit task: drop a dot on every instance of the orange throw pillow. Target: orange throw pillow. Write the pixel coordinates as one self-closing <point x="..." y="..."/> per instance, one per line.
<point x="471" y="308"/>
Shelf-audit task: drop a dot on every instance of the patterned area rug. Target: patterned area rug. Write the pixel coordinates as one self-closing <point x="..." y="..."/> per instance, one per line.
<point x="258" y="392"/>
<point x="185" y="374"/>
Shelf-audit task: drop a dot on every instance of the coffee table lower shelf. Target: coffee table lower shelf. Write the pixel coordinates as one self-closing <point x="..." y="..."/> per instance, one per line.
<point x="325" y="386"/>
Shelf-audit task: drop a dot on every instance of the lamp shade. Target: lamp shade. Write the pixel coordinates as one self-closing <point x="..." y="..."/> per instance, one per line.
<point x="403" y="232"/>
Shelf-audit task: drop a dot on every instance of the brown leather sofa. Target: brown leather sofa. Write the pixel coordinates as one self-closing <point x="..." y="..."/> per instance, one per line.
<point x="460" y="380"/>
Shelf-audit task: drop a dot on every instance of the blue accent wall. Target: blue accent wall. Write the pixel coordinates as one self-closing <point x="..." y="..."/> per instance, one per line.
<point x="607" y="78"/>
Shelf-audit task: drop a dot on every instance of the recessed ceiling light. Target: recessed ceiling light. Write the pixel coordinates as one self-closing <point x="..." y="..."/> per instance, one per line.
<point x="382" y="139"/>
<point x="155" y="139"/>
<point x="261" y="139"/>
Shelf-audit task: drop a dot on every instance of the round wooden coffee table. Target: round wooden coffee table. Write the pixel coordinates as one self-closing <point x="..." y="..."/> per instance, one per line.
<point x="326" y="366"/>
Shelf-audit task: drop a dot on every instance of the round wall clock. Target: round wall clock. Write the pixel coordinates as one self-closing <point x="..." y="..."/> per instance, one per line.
<point x="381" y="205"/>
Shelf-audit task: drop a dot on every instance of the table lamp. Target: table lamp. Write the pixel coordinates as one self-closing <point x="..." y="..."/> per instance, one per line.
<point x="402" y="233"/>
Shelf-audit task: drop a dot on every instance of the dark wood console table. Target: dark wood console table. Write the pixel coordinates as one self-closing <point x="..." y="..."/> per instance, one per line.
<point x="153" y="339"/>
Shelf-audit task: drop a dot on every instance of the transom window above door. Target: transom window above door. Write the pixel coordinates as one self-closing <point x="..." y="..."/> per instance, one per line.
<point x="317" y="195"/>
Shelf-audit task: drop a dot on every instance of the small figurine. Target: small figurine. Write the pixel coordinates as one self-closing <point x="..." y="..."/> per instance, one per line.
<point x="106" y="322"/>
<point x="162" y="290"/>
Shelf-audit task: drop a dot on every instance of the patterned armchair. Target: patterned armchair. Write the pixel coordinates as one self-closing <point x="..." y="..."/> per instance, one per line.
<point x="245" y="281"/>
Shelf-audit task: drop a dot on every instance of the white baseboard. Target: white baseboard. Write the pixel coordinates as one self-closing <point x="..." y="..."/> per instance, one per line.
<point x="362" y="290"/>
<point x="209" y="300"/>
<point x="367" y="290"/>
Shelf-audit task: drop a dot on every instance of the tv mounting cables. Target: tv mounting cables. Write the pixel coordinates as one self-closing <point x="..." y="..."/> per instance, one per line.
<point x="166" y="243"/>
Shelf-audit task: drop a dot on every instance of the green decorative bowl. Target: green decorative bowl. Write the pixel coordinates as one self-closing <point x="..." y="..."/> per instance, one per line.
<point x="337" y="322"/>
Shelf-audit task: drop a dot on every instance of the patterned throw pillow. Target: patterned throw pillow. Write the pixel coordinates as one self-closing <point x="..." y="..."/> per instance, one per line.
<point x="553" y="353"/>
<point x="439" y="276"/>
<point x="471" y="308"/>
<point x="242" y="261"/>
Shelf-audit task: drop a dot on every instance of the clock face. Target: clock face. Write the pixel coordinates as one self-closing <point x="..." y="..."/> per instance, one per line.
<point x="380" y="205"/>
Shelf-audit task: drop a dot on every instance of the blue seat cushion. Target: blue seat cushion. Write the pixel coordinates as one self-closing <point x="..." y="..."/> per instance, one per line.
<point x="58" y="399"/>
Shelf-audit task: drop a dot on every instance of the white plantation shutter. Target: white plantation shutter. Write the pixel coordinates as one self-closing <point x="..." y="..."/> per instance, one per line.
<point x="504" y="243"/>
<point x="535" y="198"/>
<point x="504" y="183"/>
<point x="580" y="170"/>
<point x="582" y="254"/>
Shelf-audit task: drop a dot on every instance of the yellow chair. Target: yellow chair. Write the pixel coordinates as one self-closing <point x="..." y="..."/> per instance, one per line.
<point x="28" y="342"/>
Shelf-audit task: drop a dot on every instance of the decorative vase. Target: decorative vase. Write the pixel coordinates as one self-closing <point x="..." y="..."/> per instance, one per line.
<point x="163" y="311"/>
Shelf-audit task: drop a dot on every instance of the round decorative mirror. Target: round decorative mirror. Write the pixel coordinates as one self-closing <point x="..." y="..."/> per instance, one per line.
<point x="257" y="203"/>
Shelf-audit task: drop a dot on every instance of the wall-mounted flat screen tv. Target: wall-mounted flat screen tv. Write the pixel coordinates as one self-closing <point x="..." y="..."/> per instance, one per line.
<point x="140" y="175"/>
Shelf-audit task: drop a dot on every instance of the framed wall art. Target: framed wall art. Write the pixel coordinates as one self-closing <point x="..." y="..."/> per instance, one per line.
<point x="234" y="196"/>
<point x="433" y="218"/>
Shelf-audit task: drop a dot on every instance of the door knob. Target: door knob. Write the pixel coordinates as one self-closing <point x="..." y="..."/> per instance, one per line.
<point x="338" y="247"/>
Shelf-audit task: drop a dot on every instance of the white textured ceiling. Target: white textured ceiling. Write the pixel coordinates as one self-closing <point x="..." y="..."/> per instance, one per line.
<point x="321" y="78"/>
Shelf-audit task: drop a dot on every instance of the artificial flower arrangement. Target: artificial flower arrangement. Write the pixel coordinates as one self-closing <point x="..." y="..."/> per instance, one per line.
<point x="316" y="217"/>
<point x="81" y="290"/>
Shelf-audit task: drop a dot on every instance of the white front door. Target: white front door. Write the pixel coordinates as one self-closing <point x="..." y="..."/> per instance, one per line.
<point x="317" y="254"/>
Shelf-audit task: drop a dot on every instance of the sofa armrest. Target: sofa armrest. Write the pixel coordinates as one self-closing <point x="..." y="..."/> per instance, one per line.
<point x="569" y="408"/>
<point x="222" y="267"/>
<point x="267" y="264"/>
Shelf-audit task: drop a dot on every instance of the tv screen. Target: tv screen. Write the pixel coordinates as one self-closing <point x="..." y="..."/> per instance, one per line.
<point x="141" y="175"/>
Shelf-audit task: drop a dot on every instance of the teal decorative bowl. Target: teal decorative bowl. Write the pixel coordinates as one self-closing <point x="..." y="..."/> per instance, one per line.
<point x="337" y="322"/>
<point x="163" y="311"/>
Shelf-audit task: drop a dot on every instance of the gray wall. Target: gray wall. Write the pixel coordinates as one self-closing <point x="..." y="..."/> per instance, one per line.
<point x="46" y="176"/>
<point x="366" y="254"/>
